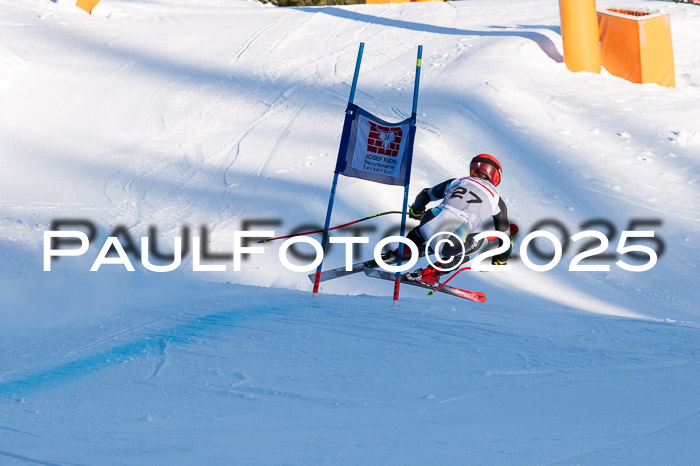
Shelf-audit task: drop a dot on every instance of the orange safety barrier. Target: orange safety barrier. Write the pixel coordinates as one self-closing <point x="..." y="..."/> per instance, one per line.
<point x="636" y="45"/>
<point x="579" y="35"/>
<point x="87" y="5"/>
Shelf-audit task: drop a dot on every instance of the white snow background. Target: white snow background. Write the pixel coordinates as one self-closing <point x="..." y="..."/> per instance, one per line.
<point x="212" y="112"/>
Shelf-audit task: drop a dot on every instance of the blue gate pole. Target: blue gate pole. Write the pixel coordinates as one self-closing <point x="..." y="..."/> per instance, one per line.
<point x="412" y="135"/>
<point x="324" y="240"/>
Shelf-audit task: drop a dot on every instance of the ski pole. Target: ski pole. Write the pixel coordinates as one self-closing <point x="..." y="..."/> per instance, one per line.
<point x="334" y="228"/>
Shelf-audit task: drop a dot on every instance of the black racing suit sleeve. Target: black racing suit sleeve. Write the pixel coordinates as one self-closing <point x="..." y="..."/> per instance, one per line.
<point x="501" y="223"/>
<point x="429" y="195"/>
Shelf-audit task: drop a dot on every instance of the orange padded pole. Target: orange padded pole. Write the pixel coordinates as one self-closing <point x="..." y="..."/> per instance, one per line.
<point x="579" y="33"/>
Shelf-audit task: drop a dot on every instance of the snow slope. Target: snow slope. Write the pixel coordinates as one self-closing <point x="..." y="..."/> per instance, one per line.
<point x="211" y="113"/>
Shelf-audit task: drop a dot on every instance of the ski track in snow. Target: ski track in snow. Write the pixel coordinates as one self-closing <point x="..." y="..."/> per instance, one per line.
<point x="275" y="140"/>
<point x="162" y="360"/>
<point x="257" y="35"/>
<point x="26" y="459"/>
<point x="269" y="112"/>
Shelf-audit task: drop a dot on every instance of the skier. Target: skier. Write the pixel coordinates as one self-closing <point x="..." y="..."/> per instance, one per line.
<point x="466" y="203"/>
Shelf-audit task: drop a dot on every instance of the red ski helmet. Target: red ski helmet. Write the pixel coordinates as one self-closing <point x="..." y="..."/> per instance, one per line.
<point x="487" y="165"/>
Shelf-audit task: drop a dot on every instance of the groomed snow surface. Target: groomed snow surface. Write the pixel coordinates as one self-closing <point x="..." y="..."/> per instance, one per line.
<point x="214" y="113"/>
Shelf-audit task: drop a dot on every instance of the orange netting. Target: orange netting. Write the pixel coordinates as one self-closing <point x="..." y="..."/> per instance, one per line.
<point x="624" y="11"/>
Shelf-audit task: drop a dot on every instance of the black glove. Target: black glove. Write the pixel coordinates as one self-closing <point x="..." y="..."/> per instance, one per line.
<point x="415" y="214"/>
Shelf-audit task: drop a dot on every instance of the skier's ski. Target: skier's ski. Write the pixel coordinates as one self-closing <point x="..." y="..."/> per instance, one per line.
<point x="476" y="296"/>
<point x="357" y="267"/>
<point x="338" y="272"/>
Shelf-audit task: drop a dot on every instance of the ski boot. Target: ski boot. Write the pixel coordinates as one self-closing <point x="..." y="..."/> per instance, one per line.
<point x="471" y="246"/>
<point x="391" y="257"/>
<point x="429" y="276"/>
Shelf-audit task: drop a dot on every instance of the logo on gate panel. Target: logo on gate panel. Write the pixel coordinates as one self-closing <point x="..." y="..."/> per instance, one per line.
<point x="384" y="140"/>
